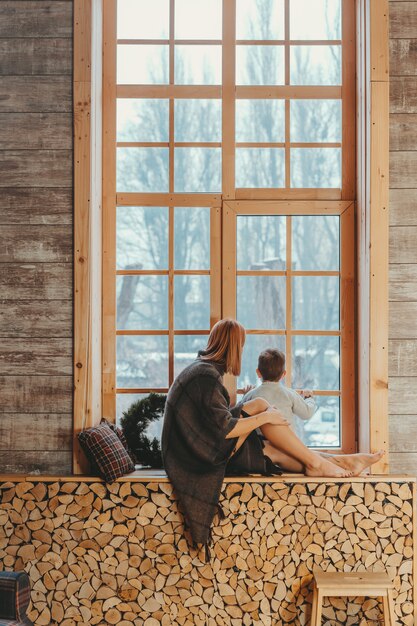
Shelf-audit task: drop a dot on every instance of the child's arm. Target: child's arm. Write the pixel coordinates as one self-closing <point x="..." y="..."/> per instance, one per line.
<point x="303" y="407"/>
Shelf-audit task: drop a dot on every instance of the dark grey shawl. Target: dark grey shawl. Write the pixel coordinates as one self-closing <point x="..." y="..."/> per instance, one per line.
<point x="194" y="446"/>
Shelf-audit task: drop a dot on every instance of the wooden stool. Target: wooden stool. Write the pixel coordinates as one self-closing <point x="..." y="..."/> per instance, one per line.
<point x="374" y="584"/>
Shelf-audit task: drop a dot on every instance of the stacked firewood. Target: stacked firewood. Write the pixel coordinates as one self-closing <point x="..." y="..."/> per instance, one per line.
<point x="117" y="554"/>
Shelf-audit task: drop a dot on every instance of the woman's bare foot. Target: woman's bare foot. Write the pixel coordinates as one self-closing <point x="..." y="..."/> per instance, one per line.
<point x="356" y="463"/>
<point x="322" y="467"/>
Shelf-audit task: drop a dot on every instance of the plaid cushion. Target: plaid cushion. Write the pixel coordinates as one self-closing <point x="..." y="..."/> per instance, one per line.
<point x="103" y="445"/>
<point x="14" y="595"/>
<point x="119" y="432"/>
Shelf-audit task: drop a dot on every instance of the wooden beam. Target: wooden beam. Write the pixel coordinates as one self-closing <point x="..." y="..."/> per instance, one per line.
<point x="87" y="201"/>
<point x="378" y="123"/>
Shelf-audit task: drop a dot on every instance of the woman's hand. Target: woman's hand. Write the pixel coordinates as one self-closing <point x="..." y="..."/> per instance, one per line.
<point x="275" y="417"/>
<point x="247" y="388"/>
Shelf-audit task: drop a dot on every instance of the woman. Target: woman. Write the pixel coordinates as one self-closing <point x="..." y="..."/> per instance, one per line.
<point x="204" y="438"/>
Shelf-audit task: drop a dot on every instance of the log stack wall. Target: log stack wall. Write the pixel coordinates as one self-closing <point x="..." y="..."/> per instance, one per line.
<point x="117" y="554"/>
<point x="36" y="237"/>
<point x="403" y="237"/>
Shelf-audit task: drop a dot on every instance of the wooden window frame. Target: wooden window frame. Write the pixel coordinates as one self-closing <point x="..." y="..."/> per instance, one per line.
<point x="372" y="222"/>
<point x="346" y="211"/>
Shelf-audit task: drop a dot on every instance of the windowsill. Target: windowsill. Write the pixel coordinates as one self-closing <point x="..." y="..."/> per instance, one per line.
<point x="159" y="476"/>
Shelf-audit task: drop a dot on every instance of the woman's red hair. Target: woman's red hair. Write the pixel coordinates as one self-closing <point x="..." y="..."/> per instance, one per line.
<point x="225" y="345"/>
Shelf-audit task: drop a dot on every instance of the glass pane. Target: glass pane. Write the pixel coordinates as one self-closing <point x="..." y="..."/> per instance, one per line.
<point x="261" y="242"/>
<point x="260" y="167"/>
<point x="322" y="430"/>
<point x="142" y="238"/>
<point x="142" y="361"/>
<point x="186" y="348"/>
<point x="142" y="120"/>
<point x="198" y="19"/>
<point x="259" y="65"/>
<point x="315" y="242"/>
<point x="316" y="120"/>
<point x="198" y="65"/>
<point x="260" y="120"/>
<point x="315" y="19"/>
<point x="261" y="301"/>
<point x="142" y="169"/>
<point x="141" y="19"/>
<point x="315" y="65"/>
<point x="260" y="19"/>
<point x="192" y="238"/>
<point x="142" y="302"/>
<point x="307" y="292"/>
<point x="316" y="167"/>
<point x="198" y="120"/>
<point x="124" y="401"/>
<point x="191" y="302"/>
<point x="255" y="344"/>
<point x="142" y="65"/>
<point x="315" y="362"/>
<point x="198" y="169"/>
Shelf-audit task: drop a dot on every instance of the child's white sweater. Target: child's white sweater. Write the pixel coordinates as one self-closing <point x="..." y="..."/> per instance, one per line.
<point x="286" y="400"/>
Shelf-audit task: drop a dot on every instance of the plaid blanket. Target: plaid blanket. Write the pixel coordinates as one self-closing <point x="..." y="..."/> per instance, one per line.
<point x="14" y="598"/>
<point x="194" y="446"/>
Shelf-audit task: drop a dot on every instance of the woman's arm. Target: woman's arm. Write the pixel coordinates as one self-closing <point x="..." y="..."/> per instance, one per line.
<point x="246" y="425"/>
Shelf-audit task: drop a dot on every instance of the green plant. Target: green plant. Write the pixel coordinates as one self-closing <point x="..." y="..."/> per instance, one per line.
<point x="135" y="422"/>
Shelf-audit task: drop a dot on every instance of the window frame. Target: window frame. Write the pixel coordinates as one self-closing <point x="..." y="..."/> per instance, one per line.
<point x="372" y="65"/>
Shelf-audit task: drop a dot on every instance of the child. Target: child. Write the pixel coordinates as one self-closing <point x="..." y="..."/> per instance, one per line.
<point x="292" y="405"/>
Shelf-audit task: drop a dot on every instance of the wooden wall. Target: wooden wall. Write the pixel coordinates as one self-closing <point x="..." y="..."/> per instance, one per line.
<point x="35" y="235"/>
<point x="117" y="554"/>
<point x="403" y="236"/>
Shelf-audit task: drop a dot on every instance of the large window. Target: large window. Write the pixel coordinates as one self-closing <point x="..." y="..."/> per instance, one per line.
<point x="228" y="189"/>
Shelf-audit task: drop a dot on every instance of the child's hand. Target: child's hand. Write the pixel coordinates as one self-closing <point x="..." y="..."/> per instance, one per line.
<point x="306" y="393"/>
<point x="248" y="388"/>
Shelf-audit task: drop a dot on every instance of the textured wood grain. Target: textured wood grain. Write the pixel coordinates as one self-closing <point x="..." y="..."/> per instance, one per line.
<point x="35" y="205"/>
<point x="35" y="56"/>
<point x="403" y="354"/>
<point x="403" y="57"/>
<point x="36" y="318"/>
<point x="403" y="320"/>
<point x="403" y="131"/>
<point x="405" y="462"/>
<point x="21" y="94"/>
<point x="117" y="554"/>
<point x="403" y="281"/>
<point x="36" y="18"/>
<point x="403" y="20"/>
<point x="37" y="168"/>
<point x="403" y="207"/>
<point x="403" y="395"/>
<point x="35" y="431"/>
<point x="34" y="131"/>
<point x="403" y="94"/>
<point x="39" y="462"/>
<point x="35" y="244"/>
<point x="403" y="170"/>
<point x="403" y="429"/>
<point x="37" y="357"/>
<point x="43" y="394"/>
<point x="402" y="244"/>
<point x="37" y="281"/>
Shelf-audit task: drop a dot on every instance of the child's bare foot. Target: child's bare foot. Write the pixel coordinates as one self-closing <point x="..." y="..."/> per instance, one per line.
<point x="322" y="467"/>
<point x="357" y="463"/>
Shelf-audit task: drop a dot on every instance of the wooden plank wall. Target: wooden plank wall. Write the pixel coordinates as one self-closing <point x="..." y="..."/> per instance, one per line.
<point x="403" y="237"/>
<point x="36" y="235"/>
